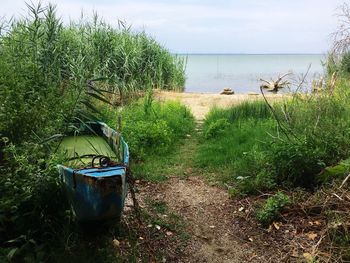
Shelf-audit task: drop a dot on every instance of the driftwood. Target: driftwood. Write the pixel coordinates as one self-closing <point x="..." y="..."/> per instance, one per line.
<point x="275" y="85"/>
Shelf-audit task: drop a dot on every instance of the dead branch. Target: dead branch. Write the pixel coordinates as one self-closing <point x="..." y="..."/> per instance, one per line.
<point x="344" y="182"/>
<point x="275" y="85"/>
<point x="341" y="37"/>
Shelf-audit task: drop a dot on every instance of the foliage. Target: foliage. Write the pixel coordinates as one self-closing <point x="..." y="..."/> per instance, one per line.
<point x="238" y="150"/>
<point x="151" y="127"/>
<point x="33" y="205"/>
<point x="306" y="134"/>
<point x="215" y="128"/>
<point x="318" y="131"/>
<point x="243" y="111"/>
<point x="45" y="65"/>
<point x="44" y="69"/>
<point x="273" y="206"/>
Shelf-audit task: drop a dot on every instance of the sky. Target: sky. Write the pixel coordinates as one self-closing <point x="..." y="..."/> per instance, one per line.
<point x="195" y="26"/>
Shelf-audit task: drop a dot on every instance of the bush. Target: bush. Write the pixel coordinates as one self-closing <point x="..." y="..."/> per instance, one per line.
<point x="215" y="128"/>
<point x="273" y="206"/>
<point x="151" y="127"/>
<point x="33" y="204"/>
<point x="295" y="163"/>
<point x="345" y="63"/>
<point x="44" y="67"/>
<point x="313" y="133"/>
<point x="147" y="137"/>
<point x="318" y="129"/>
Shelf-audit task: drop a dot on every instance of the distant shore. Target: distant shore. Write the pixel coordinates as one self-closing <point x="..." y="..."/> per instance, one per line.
<point x="201" y="103"/>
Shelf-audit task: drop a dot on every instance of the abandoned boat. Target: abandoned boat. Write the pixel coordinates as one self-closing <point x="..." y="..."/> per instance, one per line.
<point x="95" y="171"/>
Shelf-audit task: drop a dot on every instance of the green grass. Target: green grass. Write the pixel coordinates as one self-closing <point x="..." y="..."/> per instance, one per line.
<point x="235" y="140"/>
<point x="177" y="162"/>
<point x="246" y="110"/>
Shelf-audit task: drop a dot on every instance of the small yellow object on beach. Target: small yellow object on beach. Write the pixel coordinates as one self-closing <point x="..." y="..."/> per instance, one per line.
<point x="227" y="91"/>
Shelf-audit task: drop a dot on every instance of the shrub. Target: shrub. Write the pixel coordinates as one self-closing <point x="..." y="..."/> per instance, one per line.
<point x="313" y="133"/>
<point x="152" y="127"/>
<point x="273" y="206"/>
<point x="44" y="67"/>
<point x="147" y="137"/>
<point x="33" y="205"/>
<point x="178" y="117"/>
<point x="345" y="63"/>
<point x="318" y="135"/>
<point x="295" y="163"/>
<point x="215" y="128"/>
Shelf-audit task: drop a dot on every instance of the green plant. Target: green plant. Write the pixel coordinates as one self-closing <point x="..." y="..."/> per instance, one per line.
<point x="272" y="208"/>
<point x="239" y="152"/>
<point x="151" y="127"/>
<point x="215" y="128"/>
<point x="257" y="110"/>
<point x="147" y="137"/>
<point x="316" y="130"/>
<point x="44" y="69"/>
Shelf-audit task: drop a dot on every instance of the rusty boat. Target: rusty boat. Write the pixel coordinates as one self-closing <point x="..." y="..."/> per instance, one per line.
<point x="95" y="171"/>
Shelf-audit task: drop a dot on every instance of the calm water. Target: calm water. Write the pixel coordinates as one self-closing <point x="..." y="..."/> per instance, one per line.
<point x="212" y="73"/>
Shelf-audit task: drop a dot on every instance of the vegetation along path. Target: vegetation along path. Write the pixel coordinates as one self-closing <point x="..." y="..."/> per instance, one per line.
<point x="206" y="209"/>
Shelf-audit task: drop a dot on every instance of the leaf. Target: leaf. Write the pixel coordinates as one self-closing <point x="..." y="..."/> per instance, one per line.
<point x="95" y="89"/>
<point x="12" y="253"/>
<point x="276" y="225"/>
<point x="98" y="79"/>
<point x="89" y="105"/>
<point x="96" y="96"/>
<point x="51" y="138"/>
<point x="311" y="235"/>
<point x="308" y="257"/>
<point x="116" y="243"/>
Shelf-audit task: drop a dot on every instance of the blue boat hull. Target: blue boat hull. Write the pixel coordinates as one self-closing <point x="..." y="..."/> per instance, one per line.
<point x="98" y="193"/>
<point x="95" y="199"/>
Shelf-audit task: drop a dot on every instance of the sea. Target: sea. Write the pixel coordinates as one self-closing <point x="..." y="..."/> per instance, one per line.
<point x="211" y="73"/>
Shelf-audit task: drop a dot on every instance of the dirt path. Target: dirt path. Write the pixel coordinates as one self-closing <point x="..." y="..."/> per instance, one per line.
<point x="213" y="219"/>
<point x="209" y="214"/>
<point x="221" y="229"/>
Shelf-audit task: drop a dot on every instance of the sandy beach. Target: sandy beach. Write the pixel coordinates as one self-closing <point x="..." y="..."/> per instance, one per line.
<point x="201" y="103"/>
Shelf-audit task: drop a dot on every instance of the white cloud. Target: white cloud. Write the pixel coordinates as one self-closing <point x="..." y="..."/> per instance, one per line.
<point x="215" y="26"/>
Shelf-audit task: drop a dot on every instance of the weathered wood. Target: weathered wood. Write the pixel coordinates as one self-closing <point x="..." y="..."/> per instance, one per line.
<point x="275" y="85"/>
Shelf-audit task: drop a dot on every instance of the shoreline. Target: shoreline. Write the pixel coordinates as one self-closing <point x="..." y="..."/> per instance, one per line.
<point x="200" y="103"/>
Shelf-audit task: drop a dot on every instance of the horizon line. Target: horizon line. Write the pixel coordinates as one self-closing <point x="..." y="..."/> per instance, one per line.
<point x="193" y="53"/>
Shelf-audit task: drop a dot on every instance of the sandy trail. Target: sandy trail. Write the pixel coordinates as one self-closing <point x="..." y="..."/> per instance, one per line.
<point x="201" y="103"/>
<point x="208" y="213"/>
<point x="208" y="210"/>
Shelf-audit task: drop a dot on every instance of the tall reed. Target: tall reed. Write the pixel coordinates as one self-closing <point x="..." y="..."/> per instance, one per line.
<point x="45" y="65"/>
